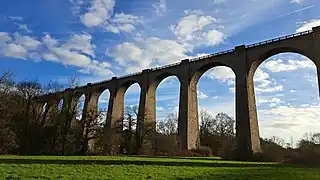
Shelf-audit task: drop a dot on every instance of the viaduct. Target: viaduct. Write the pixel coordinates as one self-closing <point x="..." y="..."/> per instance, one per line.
<point x="243" y="60"/>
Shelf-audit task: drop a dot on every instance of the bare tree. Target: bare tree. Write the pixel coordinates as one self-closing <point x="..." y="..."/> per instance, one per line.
<point x="277" y="140"/>
<point x="52" y="87"/>
<point x="73" y="81"/>
<point x="207" y="122"/>
<point x="223" y="129"/>
<point x="93" y="128"/>
<point x="5" y="77"/>
<point x="130" y="117"/>
<point x="316" y="138"/>
<point x="224" y="125"/>
<point x="9" y="107"/>
<point x="169" y="125"/>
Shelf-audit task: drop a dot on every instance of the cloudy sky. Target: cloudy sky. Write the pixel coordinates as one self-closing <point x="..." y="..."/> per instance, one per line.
<point x="97" y="39"/>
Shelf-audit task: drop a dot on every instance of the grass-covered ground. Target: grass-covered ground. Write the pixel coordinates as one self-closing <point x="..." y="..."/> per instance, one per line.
<point x="103" y="167"/>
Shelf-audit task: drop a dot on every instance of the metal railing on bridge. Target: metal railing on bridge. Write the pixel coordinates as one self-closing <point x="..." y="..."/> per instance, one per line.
<point x="212" y="55"/>
<point x="279" y="39"/>
<point x="103" y="81"/>
<point x="165" y="66"/>
<point x="127" y="75"/>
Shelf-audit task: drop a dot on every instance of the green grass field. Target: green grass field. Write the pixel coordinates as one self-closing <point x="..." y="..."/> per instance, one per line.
<point x="103" y="167"/>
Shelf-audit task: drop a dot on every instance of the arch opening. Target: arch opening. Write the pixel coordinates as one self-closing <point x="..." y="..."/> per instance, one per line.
<point x="216" y="107"/>
<point x="80" y="107"/>
<point x="287" y="98"/>
<point x="60" y="105"/>
<point x="131" y="106"/>
<point x="130" y="118"/>
<point x="167" y="109"/>
<point x="103" y="104"/>
<point x="44" y="108"/>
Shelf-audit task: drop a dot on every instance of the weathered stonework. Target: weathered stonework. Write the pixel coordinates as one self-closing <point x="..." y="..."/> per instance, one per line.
<point x="243" y="60"/>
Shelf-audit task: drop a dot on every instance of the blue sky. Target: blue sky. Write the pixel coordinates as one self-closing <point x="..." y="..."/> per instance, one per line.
<point x="98" y="39"/>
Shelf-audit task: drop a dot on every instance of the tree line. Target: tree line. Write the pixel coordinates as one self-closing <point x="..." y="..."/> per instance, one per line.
<point x="27" y="128"/>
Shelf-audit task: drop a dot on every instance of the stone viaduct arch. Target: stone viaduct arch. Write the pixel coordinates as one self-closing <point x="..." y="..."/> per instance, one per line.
<point x="243" y="60"/>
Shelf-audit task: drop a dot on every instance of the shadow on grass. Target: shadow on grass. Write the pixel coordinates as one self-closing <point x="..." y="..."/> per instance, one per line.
<point x="179" y="157"/>
<point x="126" y="162"/>
<point x="258" y="173"/>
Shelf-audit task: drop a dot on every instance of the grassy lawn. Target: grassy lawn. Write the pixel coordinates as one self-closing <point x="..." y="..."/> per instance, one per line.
<point x="103" y="167"/>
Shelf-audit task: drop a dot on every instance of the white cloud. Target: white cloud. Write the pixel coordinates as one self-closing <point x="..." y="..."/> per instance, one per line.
<point x="311" y="78"/>
<point x="76" y="6"/>
<point x="75" y="52"/>
<point x="122" y="22"/>
<point x="160" y="7"/>
<point x="98" y="68"/>
<point x="196" y="29"/>
<point x="297" y="1"/>
<point x="260" y="75"/>
<point x="70" y="53"/>
<point x="272" y="102"/>
<point x="4" y="37"/>
<point x="232" y="90"/>
<point x="280" y="66"/>
<point x="159" y="108"/>
<point x="266" y="100"/>
<point x="17" y="46"/>
<point x="219" y="1"/>
<point x="264" y="84"/>
<point x="82" y="43"/>
<point x="226" y="106"/>
<point x="26" y="41"/>
<point x="222" y="74"/>
<point x="189" y="24"/>
<point x="145" y="53"/>
<point x="308" y="25"/>
<point x="269" y="89"/>
<point x="287" y="121"/>
<point x="304" y="105"/>
<point x="215" y="37"/>
<point x="125" y="52"/>
<point x="15" y="50"/>
<point x="50" y="56"/>
<point x="98" y="12"/>
<point x="17" y="18"/>
<point x="23" y="27"/>
<point x="202" y="95"/>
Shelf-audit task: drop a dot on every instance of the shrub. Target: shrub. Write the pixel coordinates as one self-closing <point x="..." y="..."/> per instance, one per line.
<point x="262" y="157"/>
<point x="311" y="159"/>
<point x="203" y="151"/>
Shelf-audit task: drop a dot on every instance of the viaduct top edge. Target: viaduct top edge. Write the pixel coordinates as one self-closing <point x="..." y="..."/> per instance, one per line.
<point x="239" y="47"/>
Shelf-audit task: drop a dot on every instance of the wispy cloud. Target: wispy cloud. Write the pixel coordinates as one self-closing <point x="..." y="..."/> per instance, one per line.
<point x="296" y="11"/>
